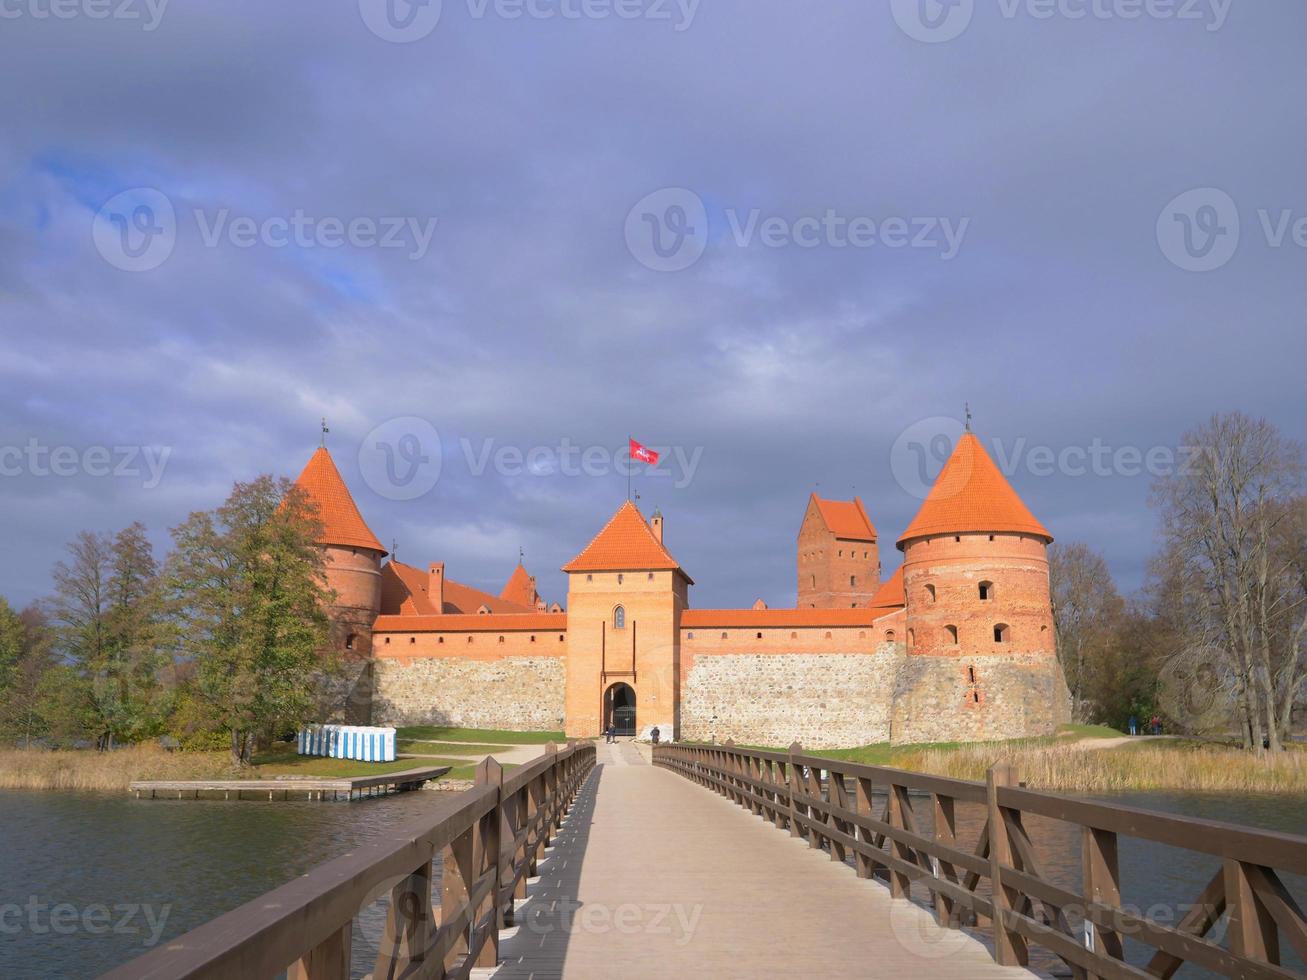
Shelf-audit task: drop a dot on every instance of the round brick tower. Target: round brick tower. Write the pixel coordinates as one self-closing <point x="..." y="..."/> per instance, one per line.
<point x="353" y="558"/>
<point x="981" y="656"/>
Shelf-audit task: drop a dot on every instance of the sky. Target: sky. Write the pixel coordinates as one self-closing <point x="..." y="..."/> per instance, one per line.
<point x="785" y="244"/>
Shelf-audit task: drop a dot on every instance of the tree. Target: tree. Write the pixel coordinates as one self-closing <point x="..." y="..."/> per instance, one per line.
<point x="20" y="716"/>
<point x="106" y="611"/>
<point x="1228" y="520"/>
<point x="249" y="595"/>
<point x="1086" y="613"/>
<point x="12" y="640"/>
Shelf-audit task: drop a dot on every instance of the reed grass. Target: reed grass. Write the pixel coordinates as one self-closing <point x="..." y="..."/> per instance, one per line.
<point x="1148" y="766"/>
<point x="88" y="771"/>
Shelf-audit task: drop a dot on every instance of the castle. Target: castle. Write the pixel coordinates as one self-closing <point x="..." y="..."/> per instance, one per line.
<point x="957" y="645"/>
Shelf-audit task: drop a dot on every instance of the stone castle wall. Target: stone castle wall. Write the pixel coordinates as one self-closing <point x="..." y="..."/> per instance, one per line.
<point x="824" y="700"/>
<point x="983" y="698"/>
<point x="514" y="693"/>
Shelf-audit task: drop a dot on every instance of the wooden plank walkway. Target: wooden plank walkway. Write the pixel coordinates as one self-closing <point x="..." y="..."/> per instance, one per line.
<point x="653" y="876"/>
<point x="291" y="787"/>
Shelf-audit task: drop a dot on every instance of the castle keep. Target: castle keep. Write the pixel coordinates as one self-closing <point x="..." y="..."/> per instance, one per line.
<point x="956" y="645"/>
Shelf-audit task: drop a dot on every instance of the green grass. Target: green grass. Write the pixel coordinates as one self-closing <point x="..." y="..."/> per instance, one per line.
<point x="480" y="735"/>
<point x="281" y="759"/>
<point x="446" y="748"/>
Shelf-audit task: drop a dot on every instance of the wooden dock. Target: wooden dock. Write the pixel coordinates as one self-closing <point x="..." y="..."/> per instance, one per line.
<point x="286" y="788"/>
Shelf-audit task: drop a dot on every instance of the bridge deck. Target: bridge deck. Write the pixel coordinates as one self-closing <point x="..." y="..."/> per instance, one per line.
<point x="653" y="876"/>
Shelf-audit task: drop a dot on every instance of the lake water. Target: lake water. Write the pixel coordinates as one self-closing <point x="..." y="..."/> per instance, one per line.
<point x="118" y="873"/>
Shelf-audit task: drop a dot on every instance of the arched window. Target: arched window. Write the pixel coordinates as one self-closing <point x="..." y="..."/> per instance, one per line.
<point x="889" y="636"/>
<point x="986" y="591"/>
<point x="1001" y="632"/>
<point x="930" y="591"/>
<point x="758" y="637"/>
<point x="619" y="618"/>
<point x="853" y="581"/>
<point x="349" y="641"/>
<point x="952" y="632"/>
<point x="620" y="578"/>
<point x="814" y="581"/>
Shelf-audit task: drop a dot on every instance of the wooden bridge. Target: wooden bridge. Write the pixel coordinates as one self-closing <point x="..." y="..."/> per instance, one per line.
<point x="717" y="861"/>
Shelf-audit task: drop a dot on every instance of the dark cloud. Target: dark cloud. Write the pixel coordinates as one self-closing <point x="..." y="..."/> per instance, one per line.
<point x="528" y="321"/>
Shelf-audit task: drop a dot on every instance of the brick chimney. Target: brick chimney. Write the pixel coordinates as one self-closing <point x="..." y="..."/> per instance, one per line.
<point x="436" y="586"/>
<point x="656" y="524"/>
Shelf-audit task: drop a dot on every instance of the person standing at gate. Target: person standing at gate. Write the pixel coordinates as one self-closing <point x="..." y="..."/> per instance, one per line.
<point x="611" y="732"/>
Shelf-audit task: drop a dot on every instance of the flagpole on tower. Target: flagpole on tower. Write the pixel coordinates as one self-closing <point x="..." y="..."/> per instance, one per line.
<point x="630" y="465"/>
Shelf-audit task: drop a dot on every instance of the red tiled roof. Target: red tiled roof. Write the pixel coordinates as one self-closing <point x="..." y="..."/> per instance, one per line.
<point x="404" y="593"/>
<point x="342" y="524"/>
<point x="519" y="589"/>
<point x="625" y="543"/>
<point x="890" y="595"/>
<point x="971" y="495"/>
<point x="777" y="617"/>
<point x="846" y="518"/>
<point x="485" y="623"/>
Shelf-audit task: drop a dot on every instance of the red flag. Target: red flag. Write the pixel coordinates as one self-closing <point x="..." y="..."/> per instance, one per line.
<point x="643" y="453"/>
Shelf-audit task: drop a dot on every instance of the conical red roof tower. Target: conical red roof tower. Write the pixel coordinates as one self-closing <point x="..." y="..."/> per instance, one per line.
<point x="342" y="524"/>
<point x="972" y="496"/>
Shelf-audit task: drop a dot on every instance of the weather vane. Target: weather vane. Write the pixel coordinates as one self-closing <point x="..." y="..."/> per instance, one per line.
<point x="968" y="407"/>
<point x="325" y="430"/>
<point x="521" y="555"/>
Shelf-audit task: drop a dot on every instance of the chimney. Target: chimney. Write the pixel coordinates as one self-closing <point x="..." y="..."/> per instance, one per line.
<point x="656" y="524"/>
<point x="436" y="586"/>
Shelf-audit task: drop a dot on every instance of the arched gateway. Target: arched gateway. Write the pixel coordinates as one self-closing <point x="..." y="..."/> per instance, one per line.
<point x="619" y="709"/>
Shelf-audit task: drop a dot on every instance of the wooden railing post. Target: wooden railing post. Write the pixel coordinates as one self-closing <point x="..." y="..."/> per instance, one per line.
<point x="1101" y="871"/>
<point x="486" y="853"/>
<point x="457" y="875"/>
<point x="1009" y="946"/>
<point x="409" y="923"/>
<point x="861" y="862"/>
<point x="900" y="885"/>
<point x="945" y="833"/>
<point x="796" y="830"/>
<point x="328" y="960"/>
<point x="1253" y="932"/>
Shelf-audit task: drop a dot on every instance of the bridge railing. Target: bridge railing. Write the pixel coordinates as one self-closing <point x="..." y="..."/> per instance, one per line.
<point x="489" y="838"/>
<point x="995" y="881"/>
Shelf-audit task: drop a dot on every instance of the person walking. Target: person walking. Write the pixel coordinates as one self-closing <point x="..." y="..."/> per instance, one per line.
<point x="655" y="735"/>
<point x="1134" y="725"/>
